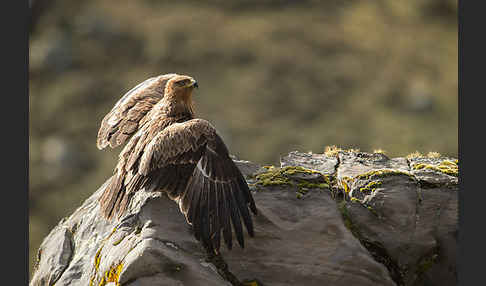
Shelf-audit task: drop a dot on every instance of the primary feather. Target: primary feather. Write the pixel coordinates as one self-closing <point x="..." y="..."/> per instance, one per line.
<point x="182" y="155"/>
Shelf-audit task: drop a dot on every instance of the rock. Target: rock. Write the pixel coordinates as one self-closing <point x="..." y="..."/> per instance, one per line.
<point x="351" y="219"/>
<point x="319" y="162"/>
<point x="57" y="252"/>
<point x="406" y="217"/>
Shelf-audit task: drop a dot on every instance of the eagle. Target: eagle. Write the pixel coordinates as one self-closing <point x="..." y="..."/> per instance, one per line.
<point x="169" y="149"/>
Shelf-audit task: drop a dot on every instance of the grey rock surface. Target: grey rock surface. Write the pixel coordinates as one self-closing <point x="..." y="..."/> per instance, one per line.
<point x="406" y="217"/>
<point x="352" y="219"/>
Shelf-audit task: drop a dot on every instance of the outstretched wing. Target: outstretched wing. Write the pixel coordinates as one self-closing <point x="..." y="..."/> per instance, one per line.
<point x="124" y="119"/>
<point x="216" y="195"/>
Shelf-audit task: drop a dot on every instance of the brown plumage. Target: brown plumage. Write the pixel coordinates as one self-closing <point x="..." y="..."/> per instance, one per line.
<point x="171" y="150"/>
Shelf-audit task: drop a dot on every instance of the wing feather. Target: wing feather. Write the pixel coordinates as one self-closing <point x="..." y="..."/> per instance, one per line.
<point x="226" y="217"/>
<point x="235" y="218"/>
<point x="124" y="119"/>
<point x="214" y="196"/>
<point x="242" y="206"/>
<point x="216" y="238"/>
<point x="172" y="142"/>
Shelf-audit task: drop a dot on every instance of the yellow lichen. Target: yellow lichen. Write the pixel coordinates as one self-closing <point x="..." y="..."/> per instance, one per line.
<point x="370" y="187"/>
<point x="115" y="243"/>
<point x="379" y="151"/>
<point x="344" y="183"/>
<point x="97" y="258"/>
<point x="446" y="167"/>
<point x="449" y="163"/>
<point x="112" y="275"/>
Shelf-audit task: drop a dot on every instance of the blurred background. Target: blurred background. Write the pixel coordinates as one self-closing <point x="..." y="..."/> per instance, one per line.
<point x="274" y="76"/>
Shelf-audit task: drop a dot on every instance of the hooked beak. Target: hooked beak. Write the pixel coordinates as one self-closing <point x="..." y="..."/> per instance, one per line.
<point x="193" y="84"/>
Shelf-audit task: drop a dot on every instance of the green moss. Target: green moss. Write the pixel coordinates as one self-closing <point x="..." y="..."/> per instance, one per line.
<point x="426" y="263"/>
<point x="378" y="252"/>
<point x="274" y="176"/>
<point x="283" y="176"/>
<point x="381" y="173"/>
<point x="308" y="185"/>
<point x="347" y="219"/>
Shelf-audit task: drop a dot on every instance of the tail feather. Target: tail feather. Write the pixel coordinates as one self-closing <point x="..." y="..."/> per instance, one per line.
<point x="114" y="200"/>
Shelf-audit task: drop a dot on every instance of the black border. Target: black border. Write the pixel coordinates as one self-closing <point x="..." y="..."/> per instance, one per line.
<point x="14" y="23"/>
<point x="460" y="239"/>
<point x="472" y="195"/>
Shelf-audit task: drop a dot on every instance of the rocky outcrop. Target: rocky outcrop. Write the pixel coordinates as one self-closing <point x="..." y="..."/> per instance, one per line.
<point x="341" y="218"/>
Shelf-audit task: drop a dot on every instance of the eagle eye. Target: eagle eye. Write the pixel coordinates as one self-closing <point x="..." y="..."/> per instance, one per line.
<point x="181" y="82"/>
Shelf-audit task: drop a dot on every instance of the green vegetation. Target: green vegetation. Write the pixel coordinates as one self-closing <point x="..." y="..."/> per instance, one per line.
<point x="380" y="174"/>
<point x="283" y="176"/>
<point x="426" y="263"/>
<point x="347" y="219"/>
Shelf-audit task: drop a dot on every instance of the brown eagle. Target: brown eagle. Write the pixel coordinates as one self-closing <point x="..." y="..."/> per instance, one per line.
<point x="171" y="150"/>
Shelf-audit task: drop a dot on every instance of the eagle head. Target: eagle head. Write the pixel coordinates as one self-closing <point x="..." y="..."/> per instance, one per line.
<point x="181" y="85"/>
<point x="179" y="89"/>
